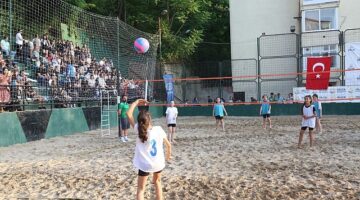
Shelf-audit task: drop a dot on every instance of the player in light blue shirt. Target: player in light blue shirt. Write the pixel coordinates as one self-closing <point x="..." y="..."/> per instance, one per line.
<point x="318" y="109"/>
<point x="218" y="113"/>
<point x="265" y="111"/>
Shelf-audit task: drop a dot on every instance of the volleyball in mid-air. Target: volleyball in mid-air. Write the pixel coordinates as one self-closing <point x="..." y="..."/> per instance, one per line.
<point x="141" y="45"/>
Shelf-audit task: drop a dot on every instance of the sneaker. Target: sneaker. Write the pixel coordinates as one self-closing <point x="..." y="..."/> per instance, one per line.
<point x="126" y="139"/>
<point x="123" y="139"/>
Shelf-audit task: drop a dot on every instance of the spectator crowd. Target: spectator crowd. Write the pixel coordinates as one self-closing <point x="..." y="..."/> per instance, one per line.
<point x="54" y="69"/>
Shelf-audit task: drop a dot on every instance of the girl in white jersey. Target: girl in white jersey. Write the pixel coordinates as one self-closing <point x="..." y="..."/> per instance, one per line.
<point x="149" y="152"/>
<point x="171" y="115"/>
<point x="308" y="120"/>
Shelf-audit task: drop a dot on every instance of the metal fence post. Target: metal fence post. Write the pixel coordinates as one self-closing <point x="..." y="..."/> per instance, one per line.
<point x="299" y="57"/>
<point x="118" y="88"/>
<point x="10" y="24"/>
<point x="342" y="57"/>
<point x="220" y="80"/>
<point x="258" y="70"/>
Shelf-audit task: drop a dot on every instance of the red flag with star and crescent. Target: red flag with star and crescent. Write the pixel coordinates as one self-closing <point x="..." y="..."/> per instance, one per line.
<point x="318" y="73"/>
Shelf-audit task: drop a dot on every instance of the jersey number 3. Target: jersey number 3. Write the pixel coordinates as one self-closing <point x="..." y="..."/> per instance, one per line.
<point x="153" y="151"/>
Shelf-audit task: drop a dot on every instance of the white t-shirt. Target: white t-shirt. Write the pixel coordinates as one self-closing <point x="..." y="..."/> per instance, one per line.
<point x="5" y="45"/>
<point x="308" y="112"/>
<point x="149" y="156"/>
<point x="102" y="82"/>
<point x="91" y="82"/>
<point x="19" y="39"/>
<point x="171" y="114"/>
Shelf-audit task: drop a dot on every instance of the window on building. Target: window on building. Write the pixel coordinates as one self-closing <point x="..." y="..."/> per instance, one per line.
<point x="320" y="19"/>
<point x="326" y="50"/>
<point x="311" y="2"/>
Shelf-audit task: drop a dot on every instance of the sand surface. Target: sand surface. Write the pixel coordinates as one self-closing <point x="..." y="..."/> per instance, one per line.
<point x="245" y="162"/>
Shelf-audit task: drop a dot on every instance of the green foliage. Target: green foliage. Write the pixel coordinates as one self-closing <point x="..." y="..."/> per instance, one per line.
<point x="184" y="27"/>
<point x="218" y="29"/>
<point x="84" y="4"/>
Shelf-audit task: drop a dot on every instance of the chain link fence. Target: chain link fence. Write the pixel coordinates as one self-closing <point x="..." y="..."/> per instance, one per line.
<point x="64" y="50"/>
<point x="280" y="66"/>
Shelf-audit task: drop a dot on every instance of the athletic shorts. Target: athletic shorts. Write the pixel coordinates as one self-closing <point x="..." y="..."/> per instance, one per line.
<point x="172" y="125"/>
<point x="266" y="116"/>
<point x="305" y="127"/>
<point x="142" y="173"/>
<point x="124" y="122"/>
<point x="219" y="117"/>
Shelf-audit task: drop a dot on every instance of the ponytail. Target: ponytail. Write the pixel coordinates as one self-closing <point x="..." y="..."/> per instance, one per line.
<point x="143" y="124"/>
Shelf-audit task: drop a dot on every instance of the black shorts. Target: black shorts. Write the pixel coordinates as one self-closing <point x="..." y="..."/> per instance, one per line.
<point x="219" y="117"/>
<point x="172" y="125"/>
<point x="305" y="127"/>
<point x="266" y="116"/>
<point x="142" y="173"/>
<point x="124" y="122"/>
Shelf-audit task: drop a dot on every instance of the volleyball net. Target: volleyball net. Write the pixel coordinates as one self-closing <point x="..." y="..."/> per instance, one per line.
<point x="279" y="71"/>
<point x="248" y="89"/>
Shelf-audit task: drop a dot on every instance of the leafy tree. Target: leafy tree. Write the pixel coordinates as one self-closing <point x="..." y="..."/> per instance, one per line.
<point x="216" y="45"/>
<point x="185" y="26"/>
<point x="84" y="4"/>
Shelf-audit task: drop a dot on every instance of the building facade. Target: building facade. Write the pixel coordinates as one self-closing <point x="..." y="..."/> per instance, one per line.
<point x="316" y="26"/>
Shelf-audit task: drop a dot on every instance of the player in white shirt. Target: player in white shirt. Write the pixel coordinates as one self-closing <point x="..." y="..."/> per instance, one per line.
<point x="308" y="120"/>
<point x="171" y="115"/>
<point x="149" y="153"/>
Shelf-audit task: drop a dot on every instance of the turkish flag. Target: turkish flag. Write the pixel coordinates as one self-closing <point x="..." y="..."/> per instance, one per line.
<point x="318" y="73"/>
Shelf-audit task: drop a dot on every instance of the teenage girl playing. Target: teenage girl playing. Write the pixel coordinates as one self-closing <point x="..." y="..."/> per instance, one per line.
<point x="265" y="111"/>
<point x="308" y="120"/>
<point x="149" y="153"/>
<point x="171" y="115"/>
<point x="218" y="112"/>
<point x="318" y="108"/>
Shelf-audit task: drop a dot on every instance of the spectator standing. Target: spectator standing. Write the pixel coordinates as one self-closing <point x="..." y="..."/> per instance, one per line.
<point x="19" y="43"/>
<point x="195" y="100"/>
<point x="5" y="46"/>
<point x="31" y="49"/>
<point x="71" y="72"/>
<point x="210" y="99"/>
<point x="45" y="43"/>
<point x="37" y="43"/>
<point x="102" y="83"/>
<point x="91" y="81"/>
<point x="4" y="90"/>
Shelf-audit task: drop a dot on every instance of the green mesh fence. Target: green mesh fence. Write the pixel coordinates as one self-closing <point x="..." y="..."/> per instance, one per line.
<point x="106" y="37"/>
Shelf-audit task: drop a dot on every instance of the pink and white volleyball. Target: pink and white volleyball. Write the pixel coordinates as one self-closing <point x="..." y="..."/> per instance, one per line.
<point x="141" y="45"/>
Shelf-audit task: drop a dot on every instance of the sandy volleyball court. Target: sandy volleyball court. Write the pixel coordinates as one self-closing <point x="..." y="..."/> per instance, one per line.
<point x="246" y="162"/>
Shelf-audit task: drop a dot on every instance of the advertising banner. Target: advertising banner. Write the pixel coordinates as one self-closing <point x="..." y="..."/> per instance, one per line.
<point x="332" y="94"/>
<point x="169" y="86"/>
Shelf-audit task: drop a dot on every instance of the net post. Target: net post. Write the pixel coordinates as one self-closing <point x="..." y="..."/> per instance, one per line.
<point x="146" y="89"/>
<point x="118" y="60"/>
